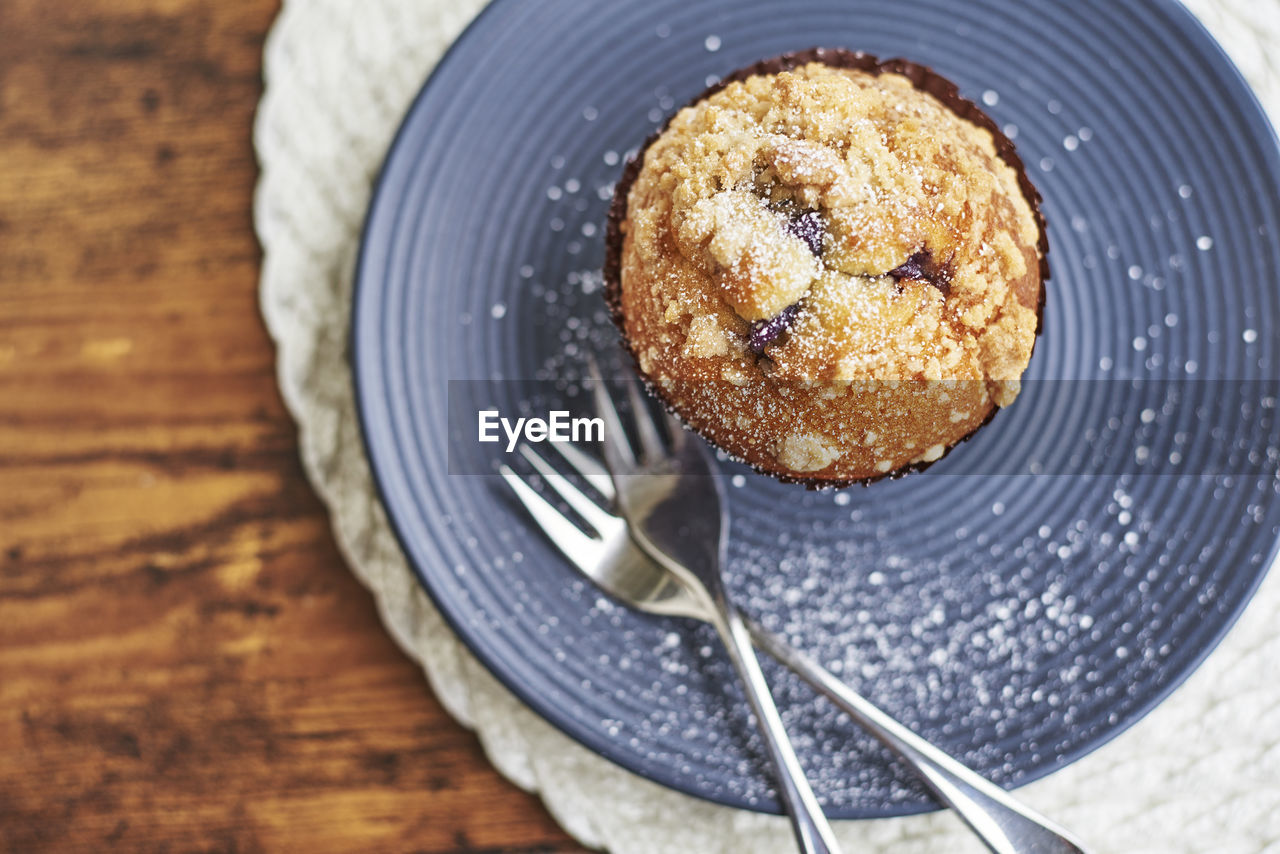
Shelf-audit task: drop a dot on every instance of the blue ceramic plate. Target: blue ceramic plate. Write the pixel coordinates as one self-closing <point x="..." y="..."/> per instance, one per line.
<point x="1022" y="602"/>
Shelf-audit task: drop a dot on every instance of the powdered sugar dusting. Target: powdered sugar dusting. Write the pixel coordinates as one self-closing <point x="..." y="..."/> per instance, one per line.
<point x="1004" y="619"/>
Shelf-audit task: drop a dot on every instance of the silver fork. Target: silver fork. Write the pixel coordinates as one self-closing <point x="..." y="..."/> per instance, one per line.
<point x="657" y="584"/>
<point x="697" y="575"/>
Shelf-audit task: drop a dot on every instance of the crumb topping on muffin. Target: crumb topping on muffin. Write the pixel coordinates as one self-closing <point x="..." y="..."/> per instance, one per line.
<point x="829" y="271"/>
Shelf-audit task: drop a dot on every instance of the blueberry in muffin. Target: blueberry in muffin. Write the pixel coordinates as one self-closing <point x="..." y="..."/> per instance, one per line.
<point x="831" y="267"/>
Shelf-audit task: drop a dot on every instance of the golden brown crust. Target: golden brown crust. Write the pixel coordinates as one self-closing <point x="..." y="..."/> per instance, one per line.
<point x="880" y="370"/>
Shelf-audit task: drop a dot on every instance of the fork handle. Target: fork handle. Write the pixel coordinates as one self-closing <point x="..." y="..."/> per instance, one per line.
<point x="812" y="830"/>
<point x="1005" y="825"/>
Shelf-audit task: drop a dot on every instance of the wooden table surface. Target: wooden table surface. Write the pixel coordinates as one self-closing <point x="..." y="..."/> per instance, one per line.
<point x="185" y="662"/>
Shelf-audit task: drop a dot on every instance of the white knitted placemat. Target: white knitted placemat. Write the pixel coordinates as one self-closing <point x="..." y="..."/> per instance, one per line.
<point x="1199" y="774"/>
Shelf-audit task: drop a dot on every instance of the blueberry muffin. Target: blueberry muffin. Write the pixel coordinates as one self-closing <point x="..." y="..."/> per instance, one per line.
<point x="829" y="266"/>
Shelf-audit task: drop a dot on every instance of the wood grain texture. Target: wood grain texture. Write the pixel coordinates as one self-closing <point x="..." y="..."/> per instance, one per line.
<point x="185" y="663"/>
